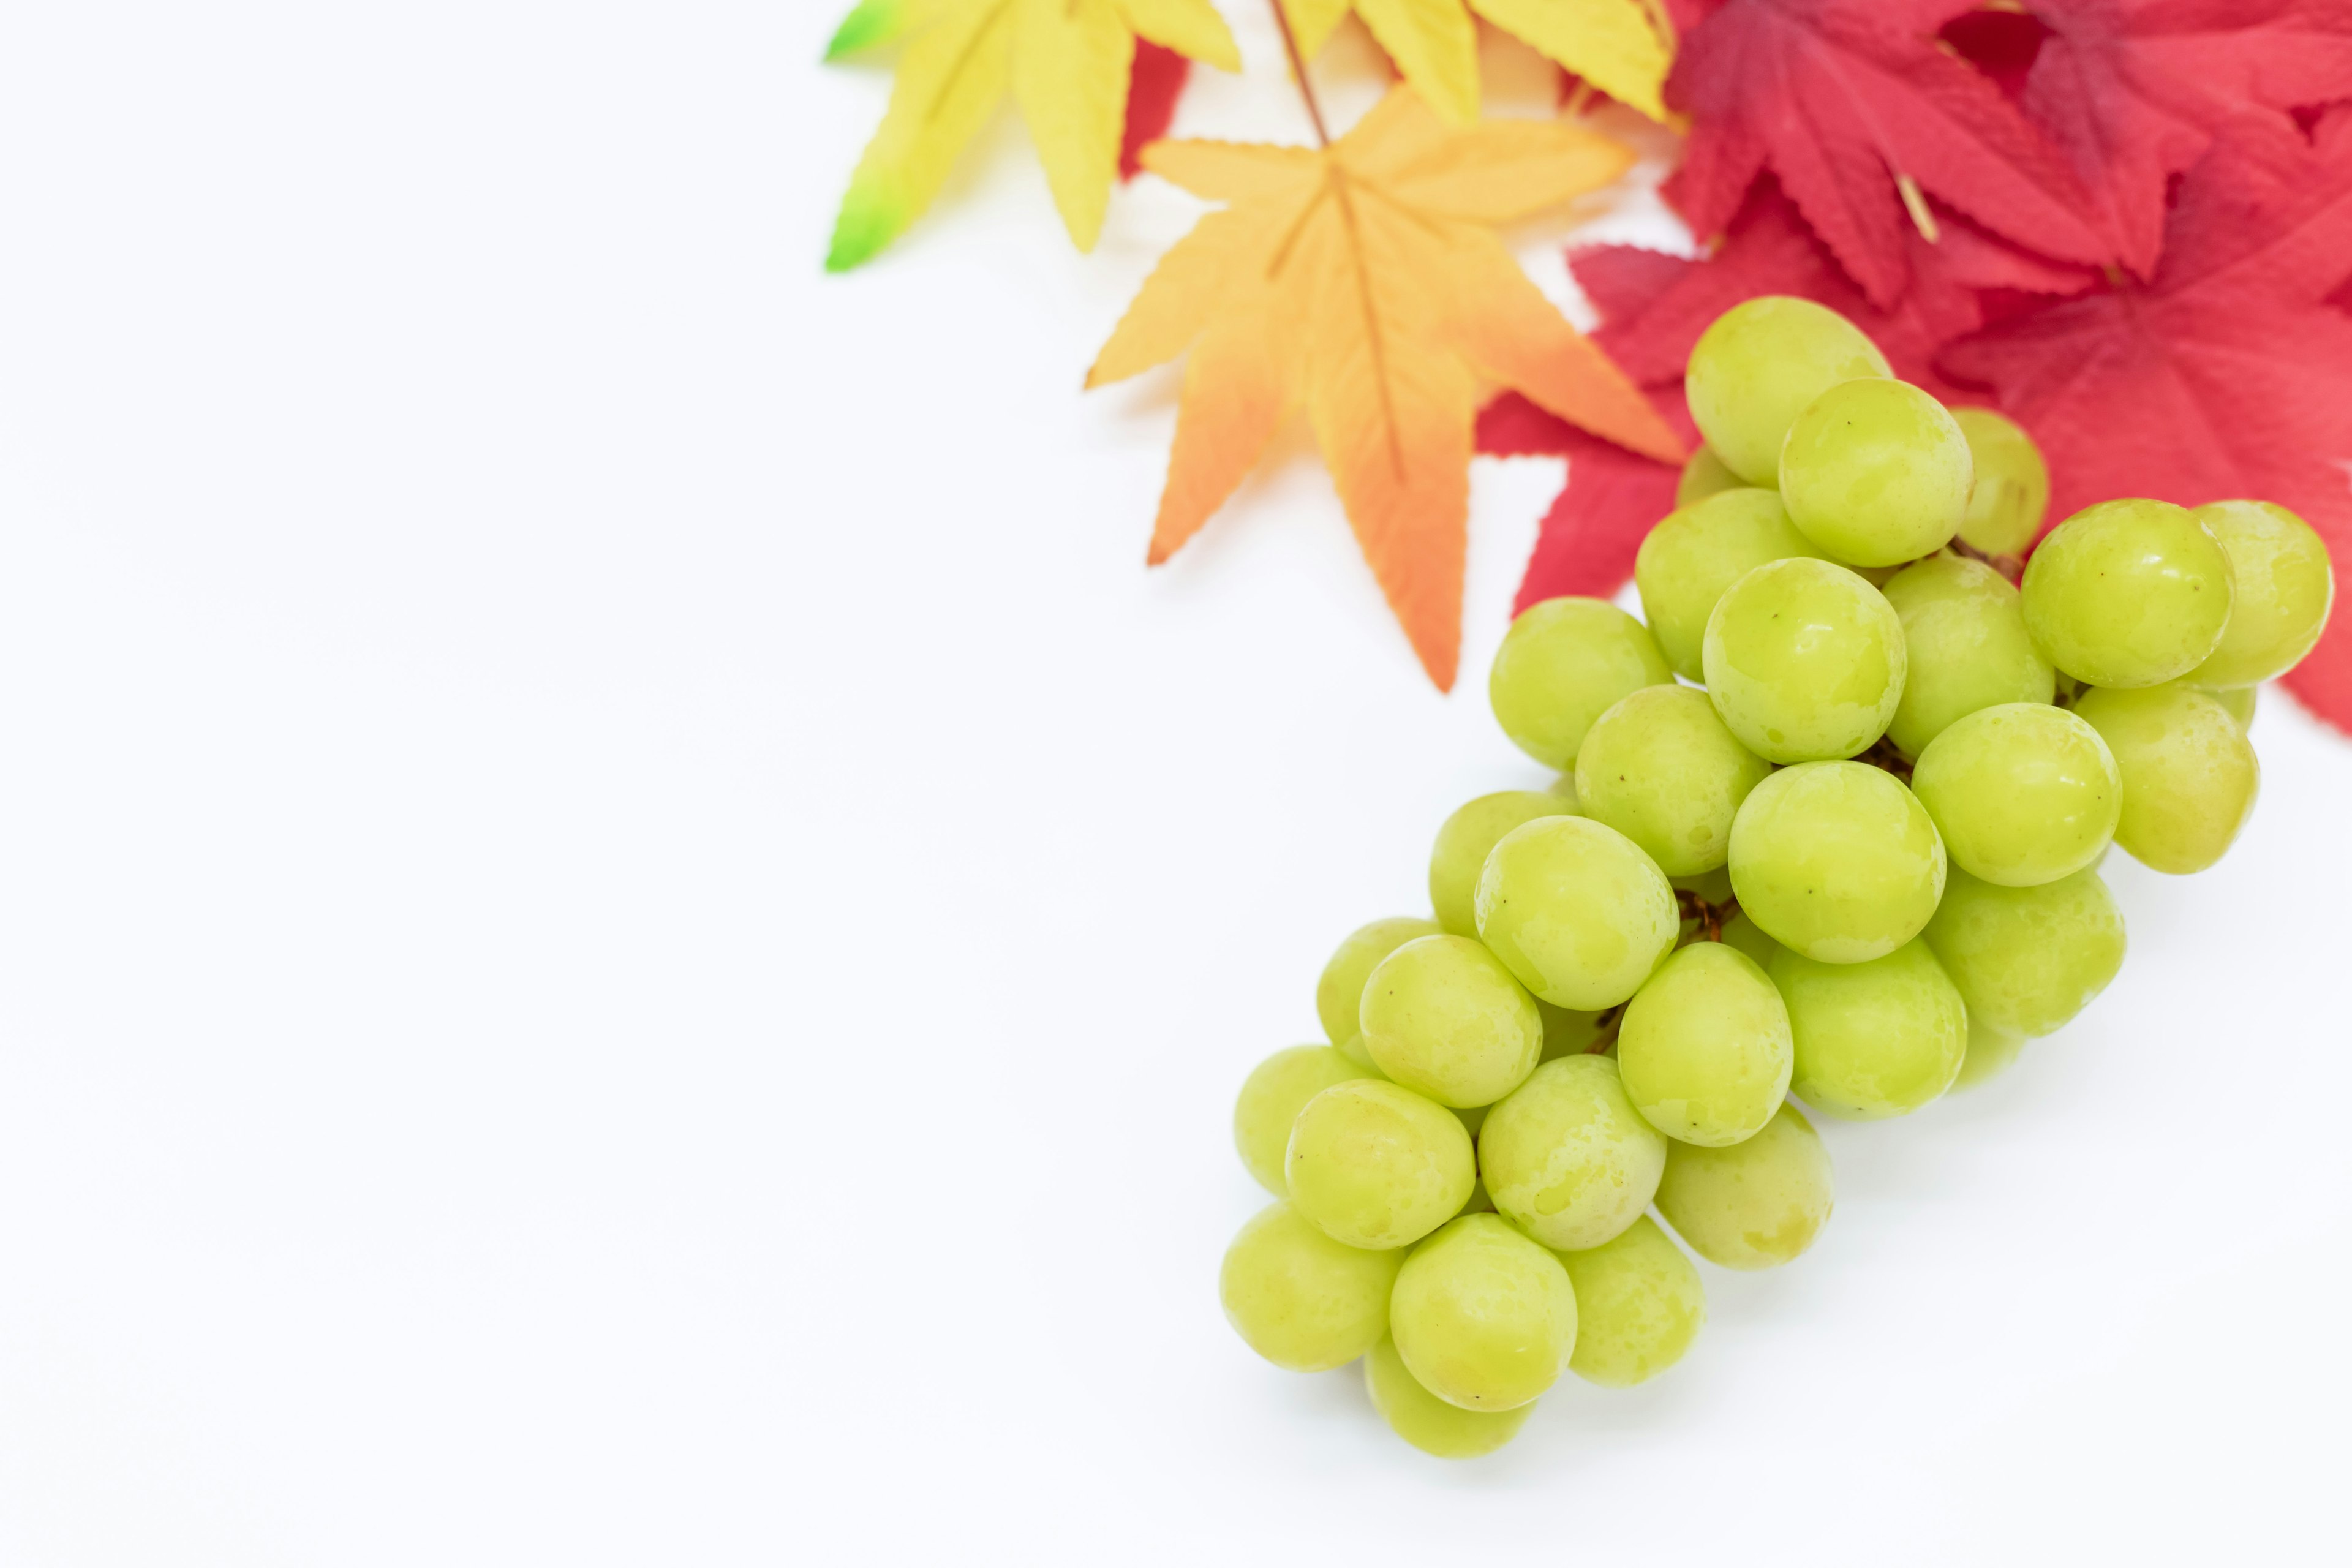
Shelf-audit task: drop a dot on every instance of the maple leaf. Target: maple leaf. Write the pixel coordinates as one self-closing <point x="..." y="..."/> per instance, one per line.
<point x="1066" y="62"/>
<point x="1362" y="281"/>
<point x="1654" y="307"/>
<point x="2134" y="89"/>
<point x="1621" y="46"/>
<point x="1153" y="85"/>
<point x="1587" y="542"/>
<point x="2225" y="375"/>
<point x="1857" y="109"/>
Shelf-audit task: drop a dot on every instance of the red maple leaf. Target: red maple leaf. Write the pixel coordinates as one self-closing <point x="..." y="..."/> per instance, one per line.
<point x="1589" y="538"/>
<point x="1656" y="306"/>
<point x="1846" y="100"/>
<point x="2225" y="375"/>
<point x="2133" y="90"/>
<point x="1154" y="82"/>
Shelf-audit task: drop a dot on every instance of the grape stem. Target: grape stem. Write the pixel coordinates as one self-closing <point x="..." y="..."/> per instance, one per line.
<point x="1882" y="754"/>
<point x="2009" y="566"/>
<point x="1711" y="919"/>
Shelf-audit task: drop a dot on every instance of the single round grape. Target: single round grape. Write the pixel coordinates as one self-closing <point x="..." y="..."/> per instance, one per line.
<point x="1576" y="911"/>
<point x="2189" y="776"/>
<point x="1355" y="1052"/>
<point x="1742" y="934"/>
<point x="1270" y="1100"/>
<point x="1754" y="1205"/>
<point x="1464" y="843"/>
<point x="1836" y="860"/>
<point x="1703" y="476"/>
<point x="2021" y="794"/>
<point x="1965" y="648"/>
<point x="2238" y="702"/>
<point x="1445" y="1018"/>
<point x="1705" y="1050"/>
<point x="1873" y="1039"/>
<point x="1303" y="1300"/>
<point x="1990" y="1054"/>
<point x="1694" y="555"/>
<point x="1659" y="768"/>
<point x="2128" y="592"/>
<point x="1639" y="1305"/>
<point x="1341" y="990"/>
<point x="1567" y="1157"/>
<point x="1561" y="664"/>
<point x="1804" y="661"/>
<point x="2028" y="959"/>
<point x="1875" y="472"/>
<point x="1427" y="1421"/>
<point x="2282" y="588"/>
<point x="2013" y="483"/>
<point x="1376" y="1165"/>
<point x="1483" y="1318"/>
<point x="1757" y="366"/>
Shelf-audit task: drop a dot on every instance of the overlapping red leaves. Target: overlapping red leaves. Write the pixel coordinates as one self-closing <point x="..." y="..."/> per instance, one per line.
<point x="2125" y="223"/>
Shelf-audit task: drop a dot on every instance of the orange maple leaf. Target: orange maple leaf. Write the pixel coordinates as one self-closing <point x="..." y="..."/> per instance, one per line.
<point x="1364" y="281"/>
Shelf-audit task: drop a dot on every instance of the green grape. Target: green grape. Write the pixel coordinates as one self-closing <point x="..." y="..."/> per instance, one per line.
<point x="1340" y="991"/>
<point x="1639" y="1305"/>
<point x="1376" y="1165"/>
<point x="1705" y="1051"/>
<point x="1694" y="555"/>
<point x="1576" y="911"/>
<point x="2128" y="592"/>
<point x="1427" y="1421"/>
<point x="1755" y="1205"/>
<point x="2013" y="483"/>
<point x="1355" y="1052"/>
<point x="1875" y="472"/>
<point x="1836" y="860"/>
<point x="1713" y="884"/>
<point x="1471" y="1116"/>
<point x="1991" y="1053"/>
<point x="2238" y="702"/>
<point x="2022" y="793"/>
<point x="1561" y="664"/>
<point x="1659" y="768"/>
<point x="1704" y="476"/>
<point x="1567" y="1033"/>
<point x="1445" y="1018"/>
<point x="1270" y="1098"/>
<point x="2028" y="959"/>
<point x="1567" y="1157"/>
<point x="1755" y="370"/>
<point x="1804" y="661"/>
<point x="2188" y="773"/>
<point x="1477" y="1202"/>
<point x="1965" y="646"/>
<point x="1468" y="836"/>
<point x="2283" y="587"/>
<point x="1874" y="1039"/>
<point x="1303" y="1300"/>
<point x="1483" y="1318"/>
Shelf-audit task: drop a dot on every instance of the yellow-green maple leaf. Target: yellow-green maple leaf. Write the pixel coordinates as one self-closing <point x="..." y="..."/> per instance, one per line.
<point x="1065" y="63"/>
<point x="1615" y="45"/>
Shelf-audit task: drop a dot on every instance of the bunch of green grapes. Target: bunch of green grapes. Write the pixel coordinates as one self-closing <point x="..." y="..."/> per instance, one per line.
<point x="1849" y="859"/>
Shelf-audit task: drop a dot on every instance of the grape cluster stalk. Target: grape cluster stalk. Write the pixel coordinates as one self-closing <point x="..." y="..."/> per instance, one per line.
<point x="1826" y="841"/>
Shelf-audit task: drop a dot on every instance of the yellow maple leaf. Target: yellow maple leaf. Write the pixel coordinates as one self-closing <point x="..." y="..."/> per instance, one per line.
<point x="1624" y="47"/>
<point x="1065" y="63"/>
<point x="1364" y="281"/>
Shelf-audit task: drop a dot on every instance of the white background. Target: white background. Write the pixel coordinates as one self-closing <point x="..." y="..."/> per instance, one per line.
<point x="627" y="924"/>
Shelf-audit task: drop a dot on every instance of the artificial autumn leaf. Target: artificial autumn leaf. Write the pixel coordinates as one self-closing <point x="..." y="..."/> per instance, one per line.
<point x="1857" y="109"/>
<point x="1587" y="542"/>
<point x="1363" y="282"/>
<point x="1654" y="307"/>
<point x="1616" y="45"/>
<point x="2133" y="90"/>
<point x="1065" y="63"/>
<point x="1154" y="83"/>
<point x="2225" y="375"/>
